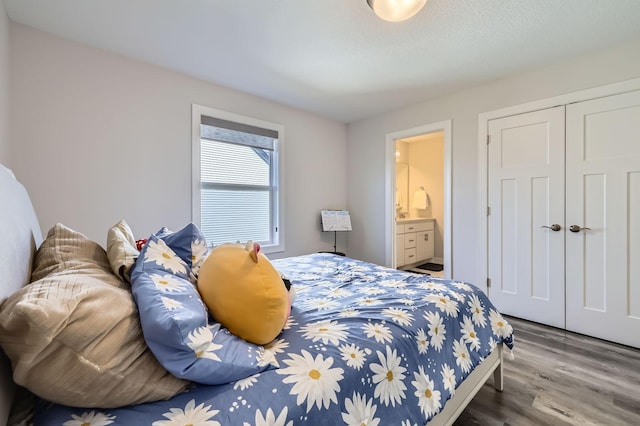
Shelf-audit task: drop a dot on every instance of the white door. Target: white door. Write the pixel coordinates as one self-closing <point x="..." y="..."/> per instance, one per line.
<point x="525" y="196"/>
<point x="603" y="194"/>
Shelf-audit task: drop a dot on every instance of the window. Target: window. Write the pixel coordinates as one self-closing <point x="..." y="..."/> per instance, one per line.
<point x="237" y="175"/>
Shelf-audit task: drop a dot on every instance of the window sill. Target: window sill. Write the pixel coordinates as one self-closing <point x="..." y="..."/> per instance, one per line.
<point x="273" y="248"/>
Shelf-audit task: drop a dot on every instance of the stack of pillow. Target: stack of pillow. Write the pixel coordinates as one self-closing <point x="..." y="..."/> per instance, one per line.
<point x="73" y="334"/>
<point x="98" y="328"/>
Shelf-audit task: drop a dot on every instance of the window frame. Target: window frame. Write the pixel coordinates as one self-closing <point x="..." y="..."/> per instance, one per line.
<point x="277" y="170"/>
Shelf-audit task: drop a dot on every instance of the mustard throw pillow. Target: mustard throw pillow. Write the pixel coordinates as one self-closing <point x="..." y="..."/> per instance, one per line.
<point x="244" y="292"/>
<point x="176" y="324"/>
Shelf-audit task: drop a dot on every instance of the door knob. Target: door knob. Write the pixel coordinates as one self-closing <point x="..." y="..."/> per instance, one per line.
<point x="576" y="228"/>
<point x="555" y="227"/>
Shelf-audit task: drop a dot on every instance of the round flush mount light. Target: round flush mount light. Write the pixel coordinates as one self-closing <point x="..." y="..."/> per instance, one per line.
<point x="396" y="10"/>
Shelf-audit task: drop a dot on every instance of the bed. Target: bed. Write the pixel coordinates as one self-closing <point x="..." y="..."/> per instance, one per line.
<point x="364" y="344"/>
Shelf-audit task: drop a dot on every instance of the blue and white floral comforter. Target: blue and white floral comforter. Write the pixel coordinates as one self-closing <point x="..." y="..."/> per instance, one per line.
<point x="364" y="345"/>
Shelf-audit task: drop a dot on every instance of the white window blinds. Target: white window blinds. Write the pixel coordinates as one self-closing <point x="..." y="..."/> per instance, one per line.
<point x="238" y="182"/>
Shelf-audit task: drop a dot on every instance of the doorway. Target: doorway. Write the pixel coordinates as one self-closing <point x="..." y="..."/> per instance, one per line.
<point x="435" y="209"/>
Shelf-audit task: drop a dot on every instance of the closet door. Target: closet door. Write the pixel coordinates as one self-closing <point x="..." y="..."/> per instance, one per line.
<point x="603" y="206"/>
<point x="526" y="198"/>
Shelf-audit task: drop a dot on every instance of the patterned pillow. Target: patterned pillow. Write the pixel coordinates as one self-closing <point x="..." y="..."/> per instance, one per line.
<point x="189" y="244"/>
<point x="175" y="321"/>
<point x="73" y="335"/>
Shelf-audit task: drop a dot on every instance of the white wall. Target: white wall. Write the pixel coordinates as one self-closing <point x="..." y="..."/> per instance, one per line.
<point x="99" y="137"/>
<point x="366" y="146"/>
<point x="5" y="130"/>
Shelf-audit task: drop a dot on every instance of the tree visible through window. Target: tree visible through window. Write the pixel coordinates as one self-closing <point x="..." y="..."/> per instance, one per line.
<point x="238" y="179"/>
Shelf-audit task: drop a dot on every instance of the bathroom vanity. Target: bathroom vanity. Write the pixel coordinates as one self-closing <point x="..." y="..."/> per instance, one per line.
<point x="414" y="241"/>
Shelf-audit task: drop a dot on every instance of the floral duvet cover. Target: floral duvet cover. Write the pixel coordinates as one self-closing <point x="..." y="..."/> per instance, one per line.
<point x="364" y="344"/>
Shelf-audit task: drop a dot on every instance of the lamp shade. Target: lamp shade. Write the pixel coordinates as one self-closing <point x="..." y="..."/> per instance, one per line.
<point x="396" y="10"/>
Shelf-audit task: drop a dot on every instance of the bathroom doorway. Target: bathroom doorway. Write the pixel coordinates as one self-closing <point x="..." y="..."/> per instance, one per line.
<point x="418" y="202"/>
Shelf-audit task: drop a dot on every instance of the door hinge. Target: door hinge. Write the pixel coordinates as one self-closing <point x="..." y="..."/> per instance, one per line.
<point x="488" y="210"/>
<point x="488" y="138"/>
<point x="488" y="282"/>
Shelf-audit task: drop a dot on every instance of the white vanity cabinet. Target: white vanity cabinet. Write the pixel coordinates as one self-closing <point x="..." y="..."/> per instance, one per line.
<point x="399" y="245"/>
<point x="414" y="241"/>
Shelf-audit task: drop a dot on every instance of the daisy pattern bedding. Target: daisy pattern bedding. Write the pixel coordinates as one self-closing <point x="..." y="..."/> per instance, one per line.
<point x="364" y="344"/>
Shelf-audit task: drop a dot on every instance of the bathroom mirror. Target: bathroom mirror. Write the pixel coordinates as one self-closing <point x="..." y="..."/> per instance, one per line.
<point x="402" y="190"/>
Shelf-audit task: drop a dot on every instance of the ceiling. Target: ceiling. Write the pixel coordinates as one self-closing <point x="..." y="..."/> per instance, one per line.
<point x="335" y="57"/>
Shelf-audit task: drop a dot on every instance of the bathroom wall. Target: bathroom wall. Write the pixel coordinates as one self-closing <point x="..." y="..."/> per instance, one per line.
<point x="426" y="169"/>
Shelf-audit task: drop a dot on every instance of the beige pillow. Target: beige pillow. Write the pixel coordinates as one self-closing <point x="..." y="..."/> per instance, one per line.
<point x="65" y="251"/>
<point x="74" y="336"/>
<point x="121" y="249"/>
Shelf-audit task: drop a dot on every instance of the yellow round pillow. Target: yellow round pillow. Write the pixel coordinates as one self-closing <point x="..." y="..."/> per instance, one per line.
<point x="244" y="292"/>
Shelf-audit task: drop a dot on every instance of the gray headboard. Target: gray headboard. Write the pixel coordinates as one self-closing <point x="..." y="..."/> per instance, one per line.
<point x="19" y="236"/>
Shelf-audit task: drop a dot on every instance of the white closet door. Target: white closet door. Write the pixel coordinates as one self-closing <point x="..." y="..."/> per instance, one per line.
<point x="603" y="194"/>
<point x="525" y="194"/>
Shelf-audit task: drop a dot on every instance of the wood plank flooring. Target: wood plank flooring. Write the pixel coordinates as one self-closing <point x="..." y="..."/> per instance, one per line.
<point x="561" y="378"/>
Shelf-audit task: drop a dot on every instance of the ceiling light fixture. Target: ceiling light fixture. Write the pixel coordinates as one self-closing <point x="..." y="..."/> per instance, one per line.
<point x="396" y="10"/>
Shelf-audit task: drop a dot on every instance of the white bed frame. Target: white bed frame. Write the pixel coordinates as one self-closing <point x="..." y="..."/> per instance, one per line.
<point x="20" y="235"/>
<point x="470" y="387"/>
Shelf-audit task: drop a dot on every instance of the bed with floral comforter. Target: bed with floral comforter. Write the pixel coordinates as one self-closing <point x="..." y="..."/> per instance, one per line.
<point x="364" y="344"/>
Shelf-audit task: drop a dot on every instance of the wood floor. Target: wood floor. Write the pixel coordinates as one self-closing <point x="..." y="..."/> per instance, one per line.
<point x="561" y="378"/>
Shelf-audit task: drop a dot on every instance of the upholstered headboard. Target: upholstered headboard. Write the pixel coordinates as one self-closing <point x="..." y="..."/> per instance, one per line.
<point x="19" y="236"/>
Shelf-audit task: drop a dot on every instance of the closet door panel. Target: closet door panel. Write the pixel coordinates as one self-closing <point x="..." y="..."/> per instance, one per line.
<point x="540" y="241"/>
<point x="633" y="285"/>
<point x="603" y="165"/>
<point x="594" y="242"/>
<point x="525" y="197"/>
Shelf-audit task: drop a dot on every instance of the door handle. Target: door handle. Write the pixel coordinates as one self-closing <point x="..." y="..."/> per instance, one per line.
<point x="576" y="228"/>
<point x="555" y="227"/>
